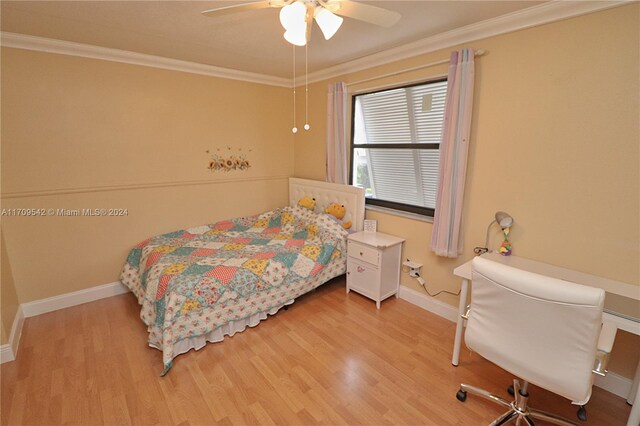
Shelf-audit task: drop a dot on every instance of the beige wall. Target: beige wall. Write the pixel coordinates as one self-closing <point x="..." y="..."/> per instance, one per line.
<point x="82" y="133"/>
<point x="555" y="142"/>
<point x="8" y="296"/>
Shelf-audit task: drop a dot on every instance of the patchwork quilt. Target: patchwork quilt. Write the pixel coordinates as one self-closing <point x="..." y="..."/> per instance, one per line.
<point x="192" y="281"/>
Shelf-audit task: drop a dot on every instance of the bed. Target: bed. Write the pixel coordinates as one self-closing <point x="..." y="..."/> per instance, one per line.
<point x="200" y="284"/>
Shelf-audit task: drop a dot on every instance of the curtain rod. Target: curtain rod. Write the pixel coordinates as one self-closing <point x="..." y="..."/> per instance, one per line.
<point x="479" y="52"/>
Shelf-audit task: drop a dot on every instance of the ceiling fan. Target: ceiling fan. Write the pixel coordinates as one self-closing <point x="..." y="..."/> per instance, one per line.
<point x="296" y="16"/>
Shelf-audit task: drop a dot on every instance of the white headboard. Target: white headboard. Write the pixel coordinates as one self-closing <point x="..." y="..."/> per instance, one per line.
<point x="326" y="193"/>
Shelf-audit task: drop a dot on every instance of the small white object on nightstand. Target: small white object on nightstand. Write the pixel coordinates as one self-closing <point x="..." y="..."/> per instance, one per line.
<point x="373" y="264"/>
<point x="370" y="225"/>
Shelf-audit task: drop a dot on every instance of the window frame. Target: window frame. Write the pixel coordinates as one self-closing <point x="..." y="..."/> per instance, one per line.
<point x="425" y="211"/>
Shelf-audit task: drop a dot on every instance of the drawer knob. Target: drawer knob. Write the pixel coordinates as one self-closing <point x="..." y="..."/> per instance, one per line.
<point x="361" y="253"/>
<point x="361" y="269"/>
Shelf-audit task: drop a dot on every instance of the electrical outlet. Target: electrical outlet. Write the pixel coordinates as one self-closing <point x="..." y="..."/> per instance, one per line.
<point x="413" y="269"/>
<point x="412" y="265"/>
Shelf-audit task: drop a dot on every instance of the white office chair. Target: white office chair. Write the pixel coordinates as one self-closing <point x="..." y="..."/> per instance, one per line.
<point x="545" y="331"/>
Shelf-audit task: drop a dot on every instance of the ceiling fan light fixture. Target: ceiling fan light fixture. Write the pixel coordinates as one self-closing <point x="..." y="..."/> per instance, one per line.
<point x="328" y="22"/>
<point x="296" y="36"/>
<point x="293" y="15"/>
<point x="293" y="18"/>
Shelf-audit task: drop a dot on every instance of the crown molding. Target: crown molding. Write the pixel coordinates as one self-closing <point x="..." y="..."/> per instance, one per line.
<point x="42" y="44"/>
<point x="545" y="13"/>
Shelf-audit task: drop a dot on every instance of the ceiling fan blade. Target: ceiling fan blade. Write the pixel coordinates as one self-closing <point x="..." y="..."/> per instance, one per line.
<point x="364" y="12"/>
<point x="244" y="7"/>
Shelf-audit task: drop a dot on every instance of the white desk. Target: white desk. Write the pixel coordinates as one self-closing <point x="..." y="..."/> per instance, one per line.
<point x="621" y="306"/>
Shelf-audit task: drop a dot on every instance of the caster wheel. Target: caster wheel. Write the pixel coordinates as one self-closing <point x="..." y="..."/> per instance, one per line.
<point x="461" y="395"/>
<point x="511" y="391"/>
<point x="582" y="413"/>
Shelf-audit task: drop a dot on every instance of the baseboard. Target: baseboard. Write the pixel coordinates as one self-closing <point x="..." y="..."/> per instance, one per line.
<point x="9" y="351"/>
<point x="16" y="331"/>
<point x="6" y="354"/>
<point x="429" y="303"/>
<point x="50" y="304"/>
<point x="614" y="383"/>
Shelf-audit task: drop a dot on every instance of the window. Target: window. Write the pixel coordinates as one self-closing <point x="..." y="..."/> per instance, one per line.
<point x="395" y="145"/>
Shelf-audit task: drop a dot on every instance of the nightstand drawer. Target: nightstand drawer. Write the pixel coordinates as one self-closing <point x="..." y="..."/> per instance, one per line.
<point x="362" y="277"/>
<point x="363" y="253"/>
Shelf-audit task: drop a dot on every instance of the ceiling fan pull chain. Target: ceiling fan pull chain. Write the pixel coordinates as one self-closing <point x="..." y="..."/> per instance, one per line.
<point x="306" y="88"/>
<point x="294" y="129"/>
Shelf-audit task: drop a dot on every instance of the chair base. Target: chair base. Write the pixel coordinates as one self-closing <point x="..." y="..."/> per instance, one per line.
<point x="518" y="410"/>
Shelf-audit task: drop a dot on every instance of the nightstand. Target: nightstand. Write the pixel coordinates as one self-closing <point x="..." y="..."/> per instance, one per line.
<point x="373" y="264"/>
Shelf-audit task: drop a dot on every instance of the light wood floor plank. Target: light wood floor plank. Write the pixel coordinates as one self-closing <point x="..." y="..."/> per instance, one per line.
<point x="331" y="359"/>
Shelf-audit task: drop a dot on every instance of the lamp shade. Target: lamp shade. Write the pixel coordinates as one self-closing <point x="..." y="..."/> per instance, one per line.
<point x="293" y="15"/>
<point x="504" y="220"/>
<point x="297" y="36"/>
<point x="293" y="19"/>
<point x="328" y="22"/>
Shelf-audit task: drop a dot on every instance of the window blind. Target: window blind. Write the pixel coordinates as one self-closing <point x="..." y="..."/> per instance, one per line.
<point x="410" y="118"/>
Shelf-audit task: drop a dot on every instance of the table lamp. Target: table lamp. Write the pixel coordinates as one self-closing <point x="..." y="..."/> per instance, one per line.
<point x="504" y="220"/>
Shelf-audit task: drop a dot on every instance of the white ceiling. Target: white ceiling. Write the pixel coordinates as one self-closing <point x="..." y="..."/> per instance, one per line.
<point x="248" y="41"/>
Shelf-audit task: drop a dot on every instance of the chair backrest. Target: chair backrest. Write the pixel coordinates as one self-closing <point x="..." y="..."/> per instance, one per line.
<point x="540" y="329"/>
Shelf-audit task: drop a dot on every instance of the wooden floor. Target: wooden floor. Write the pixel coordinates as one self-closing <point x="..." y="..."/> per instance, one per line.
<point x="332" y="358"/>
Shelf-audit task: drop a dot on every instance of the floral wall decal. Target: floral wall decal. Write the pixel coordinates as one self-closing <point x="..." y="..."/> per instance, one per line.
<point x="228" y="159"/>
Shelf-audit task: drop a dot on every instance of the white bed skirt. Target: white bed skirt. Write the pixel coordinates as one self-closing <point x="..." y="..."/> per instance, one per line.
<point x="217" y="335"/>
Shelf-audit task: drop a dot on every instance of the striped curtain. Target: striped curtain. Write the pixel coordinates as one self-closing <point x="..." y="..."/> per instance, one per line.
<point x="337" y="133"/>
<point x="446" y="239"/>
